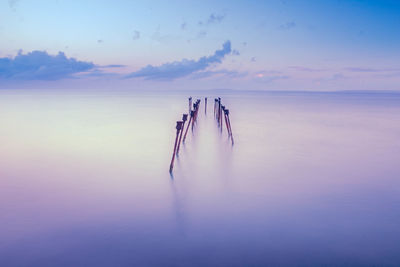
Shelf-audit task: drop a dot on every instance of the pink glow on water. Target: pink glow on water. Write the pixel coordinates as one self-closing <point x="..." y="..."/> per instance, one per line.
<point x="84" y="180"/>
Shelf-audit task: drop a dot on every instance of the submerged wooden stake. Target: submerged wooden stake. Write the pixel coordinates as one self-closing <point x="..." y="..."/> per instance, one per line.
<point x="229" y="123"/>
<point x="184" y="119"/>
<point x="190" y="104"/>
<point x="196" y="107"/>
<point x="226" y="111"/>
<point x="187" y="128"/>
<point x="215" y="107"/>
<point x="178" y="129"/>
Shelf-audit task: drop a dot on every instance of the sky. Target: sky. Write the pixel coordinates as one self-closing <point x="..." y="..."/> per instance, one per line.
<point x="299" y="45"/>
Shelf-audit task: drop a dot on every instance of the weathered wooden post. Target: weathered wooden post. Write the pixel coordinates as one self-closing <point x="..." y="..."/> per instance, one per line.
<point x="215" y="107"/>
<point x="190" y="104"/>
<point x="187" y="128"/>
<point x="184" y="119"/>
<point x="229" y="123"/>
<point x="178" y="129"/>
<point x="226" y="112"/>
<point x="219" y="111"/>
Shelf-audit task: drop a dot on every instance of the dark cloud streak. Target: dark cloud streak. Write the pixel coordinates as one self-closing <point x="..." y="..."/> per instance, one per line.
<point x="213" y="19"/>
<point x="185" y="67"/>
<point x="39" y="65"/>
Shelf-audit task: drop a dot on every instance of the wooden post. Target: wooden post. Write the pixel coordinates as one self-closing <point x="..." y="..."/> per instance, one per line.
<point x="226" y="111"/>
<point x="187" y="128"/>
<point x="184" y="119"/>
<point x="215" y="107"/>
<point x="222" y="114"/>
<point x="190" y="104"/>
<point x="178" y="129"/>
<point x="229" y="123"/>
<point x="196" y="111"/>
<point x="219" y="111"/>
<point x="194" y="114"/>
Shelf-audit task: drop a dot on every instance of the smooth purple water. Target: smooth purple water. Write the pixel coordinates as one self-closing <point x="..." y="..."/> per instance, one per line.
<point x="312" y="179"/>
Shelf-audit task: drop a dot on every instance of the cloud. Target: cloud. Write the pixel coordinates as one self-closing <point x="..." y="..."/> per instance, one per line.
<point x="38" y="65"/>
<point x="183" y="26"/>
<point x="13" y="4"/>
<point x="287" y="26"/>
<point x="98" y="73"/>
<point x="253" y="59"/>
<point x="338" y="76"/>
<point x="362" y="69"/>
<point x="219" y="73"/>
<point x="213" y="19"/>
<point x="305" y="69"/>
<point x="99" y="41"/>
<point x="269" y="76"/>
<point x="112" y="66"/>
<point x="136" y="35"/>
<point x="235" y="52"/>
<point x="185" y="67"/>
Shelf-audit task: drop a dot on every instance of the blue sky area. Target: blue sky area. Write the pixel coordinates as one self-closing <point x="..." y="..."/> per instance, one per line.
<point x="245" y="45"/>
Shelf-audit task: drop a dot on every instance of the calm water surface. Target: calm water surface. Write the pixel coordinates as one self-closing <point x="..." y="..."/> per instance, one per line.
<point x="312" y="179"/>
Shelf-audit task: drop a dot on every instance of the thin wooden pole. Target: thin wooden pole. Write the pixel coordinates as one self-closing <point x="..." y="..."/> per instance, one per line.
<point x="194" y="114"/>
<point x="219" y="111"/>
<point x="220" y="114"/>
<point x="196" y="111"/>
<point x="184" y="119"/>
<point x="215" y="107"/>
<point x="178" y="129"/>
<point x="230" y="127"/>
<point x="187" y="128"/>
<point x="226" y="122"/>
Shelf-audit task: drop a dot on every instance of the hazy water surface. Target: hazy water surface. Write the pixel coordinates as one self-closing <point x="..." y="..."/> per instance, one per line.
<point x="312" y="179"/>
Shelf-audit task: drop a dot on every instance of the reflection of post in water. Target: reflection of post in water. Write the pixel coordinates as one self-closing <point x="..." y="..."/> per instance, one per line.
<point x="184" y="119"/>
<point x="178" y="129"/>
<point x="205" y="105"/>
<point x="178" y="207"/>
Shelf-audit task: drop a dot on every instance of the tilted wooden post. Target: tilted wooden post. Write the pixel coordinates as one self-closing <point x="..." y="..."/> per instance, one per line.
<point x="184" y="119"/>
<point x="178" y="129"/>
<point x="215" y="107"/>
<point x="187" y="128"/>
<point x="229" y="123"/>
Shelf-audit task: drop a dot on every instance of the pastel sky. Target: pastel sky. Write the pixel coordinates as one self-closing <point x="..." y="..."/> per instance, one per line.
<point x="244" y="45"/>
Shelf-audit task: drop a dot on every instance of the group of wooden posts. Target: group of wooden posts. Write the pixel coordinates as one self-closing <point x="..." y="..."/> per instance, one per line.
<point x="180" y="127"/>
<point x="219" y="112"/>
